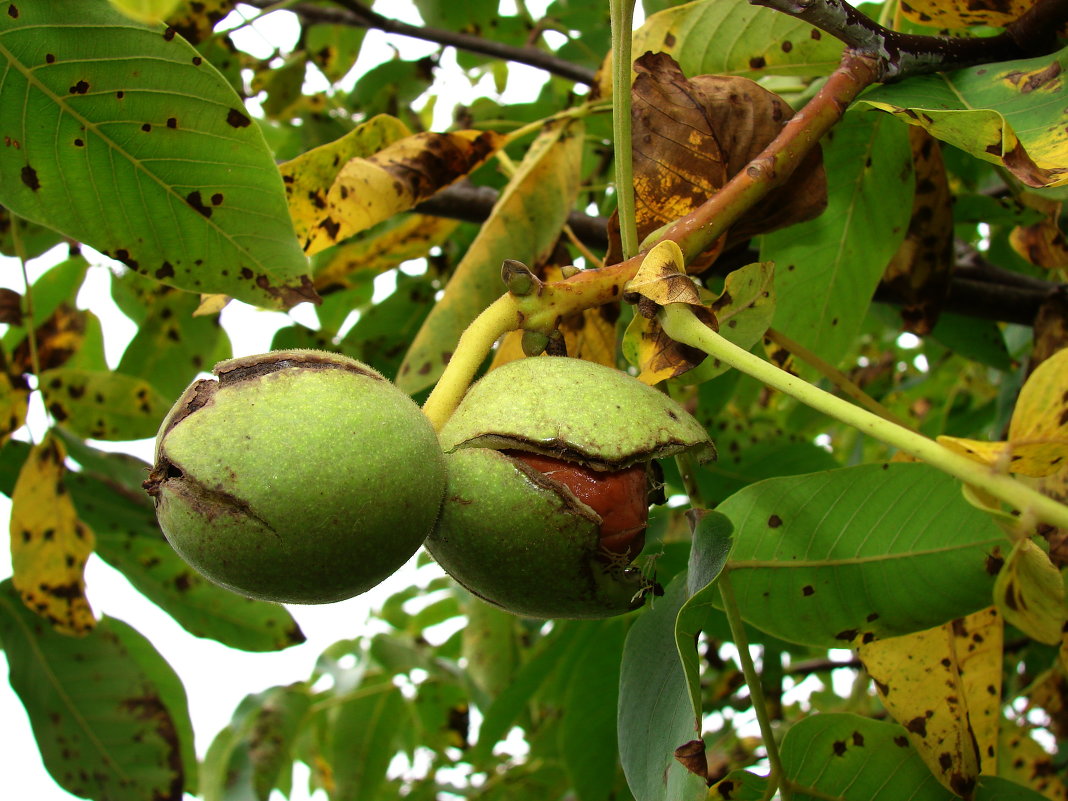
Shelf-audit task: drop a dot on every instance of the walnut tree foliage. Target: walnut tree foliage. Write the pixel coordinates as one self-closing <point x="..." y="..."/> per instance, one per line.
<point x="811" y="180"/>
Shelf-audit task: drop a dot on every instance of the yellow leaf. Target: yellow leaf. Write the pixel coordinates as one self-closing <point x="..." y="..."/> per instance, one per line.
<point x="662" y="278"/>
<point x="309" y="176"/>
<point x="963" y="13"/>
<point x="1043" y="243"/>
<point x="49" y="545"/>
<point x="369" y="190"/>
<point x="978" y="641"/>
<point x="13" y="405"/>
<point x="1029" y="591"/>
<point x="211" y="304"/>
<point x="150" y="11"/>
<point x="1038" y="432"/>
<point x="919" y="681"/>
<point x="1022" y="760"/>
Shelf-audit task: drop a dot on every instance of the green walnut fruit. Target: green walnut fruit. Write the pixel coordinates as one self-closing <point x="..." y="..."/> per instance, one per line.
<point x="550" y="464"/>
<point x="299" y="476"/>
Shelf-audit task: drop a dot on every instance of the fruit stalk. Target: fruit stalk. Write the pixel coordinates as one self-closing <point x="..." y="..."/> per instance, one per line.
<point x="680" y="324"/>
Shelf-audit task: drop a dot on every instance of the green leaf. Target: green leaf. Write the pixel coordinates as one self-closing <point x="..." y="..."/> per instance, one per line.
<point x="1009" y="114"/>
<point x="852" y="758"/>
<point x="254" y="754"/>
<point x="98" y="404"/>
<point x="826" y="269"/>
<point x="108" y="713"/>
<point x="711" y="546"/>
<point x="866" y="551"/>
<point x="588" y="737"/>
<point x="171" y="345"/>
<point x="361" y="740"/>
<point x="758" y="40"/>
<point x="130" y="142"/>
<point x="381" y="336"/>
<point x="655" y="716"/>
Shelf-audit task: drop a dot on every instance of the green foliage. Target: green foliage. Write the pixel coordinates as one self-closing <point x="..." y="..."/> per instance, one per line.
<point x="807" y="535"/>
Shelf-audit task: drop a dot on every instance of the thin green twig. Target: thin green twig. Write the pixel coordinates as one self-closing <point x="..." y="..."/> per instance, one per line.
<point x="756" y="689"/>
<point x="622" y="21"/>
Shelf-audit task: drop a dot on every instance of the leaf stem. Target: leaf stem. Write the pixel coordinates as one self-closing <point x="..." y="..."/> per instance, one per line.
<point x="622" y="20"/>
<point x="836" y="376"/>
<point x="477" y="341"/>
<point x="756" y="689"/>
<point x="681" y="325"/>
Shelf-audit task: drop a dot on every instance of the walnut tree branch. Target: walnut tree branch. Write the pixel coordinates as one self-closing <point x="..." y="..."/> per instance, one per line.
<point x="356" y="14"/>
<point x="900" y="54"/>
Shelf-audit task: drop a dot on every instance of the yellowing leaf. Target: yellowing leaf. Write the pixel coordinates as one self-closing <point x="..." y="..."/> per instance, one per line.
<point x="1043" y="243"/>
<point x="410" y="238"/>
<point x="1029" y="592"/>
<point x="1038" y="431"/>
<point x="13" y="405"/>
<point x="211" y="304"/>
<point x="918" y="679"/>
<point x="524" y="225"/>
<point x="1021" y="759"/>
<point x="661" y="279"/>
<point x="308" y="177"/>
<point x="150" y="11"/>
<point x="963" y="13"/>
<point x="369" y="190"/>
<point x="1008" y="114"/>
<point x="100" y="404"/>
<point x="978" y="641"/>
<point x="49" y="545"/>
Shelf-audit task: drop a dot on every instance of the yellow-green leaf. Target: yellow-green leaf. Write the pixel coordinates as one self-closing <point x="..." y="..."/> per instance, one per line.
<point x="1023" y="760"/>
<point x="918" y="679"/>
<point x="1008" y="114"/>
<point x="98" y="404"/>
<point x="150" y="11"/>
<point x="1029" y="592"/>
<point x="49" y="545"/>
<point x="524" y="225"/>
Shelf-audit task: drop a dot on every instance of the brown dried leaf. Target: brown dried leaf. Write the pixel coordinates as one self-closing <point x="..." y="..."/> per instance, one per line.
<point x="692" y="136"/>
<point x="918" y="274"/>
<point x="1043" y="243"/>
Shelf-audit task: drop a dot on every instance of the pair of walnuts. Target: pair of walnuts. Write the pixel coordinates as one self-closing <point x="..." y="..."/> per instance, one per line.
<point x="307" y="477"/>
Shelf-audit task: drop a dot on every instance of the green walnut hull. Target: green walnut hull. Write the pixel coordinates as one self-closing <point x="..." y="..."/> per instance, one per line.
<point x="524" y="543"/>
<point x="308" y="484"/>
<point x="514" y="536"/>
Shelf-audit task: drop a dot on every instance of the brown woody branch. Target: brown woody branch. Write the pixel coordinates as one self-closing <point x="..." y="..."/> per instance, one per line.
<point x="900" y="54"/>
<point x="357" y="15"/>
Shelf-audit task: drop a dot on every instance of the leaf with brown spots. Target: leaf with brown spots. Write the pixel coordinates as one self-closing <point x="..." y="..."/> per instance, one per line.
<point x="692" y="136"/>
<point x="1029" y="592"/>
<point x="1043" y="243"/>
<point x="1009" y="114"/>
<point x="954" y="14"/>
<point x="309" y="176"/>
<point x="1038" y="432"/>
<point x="762" y="41"/>
<point x="143" y="136"/>
<point x="14" y="400"/>
<point x="98" y="404"/>
<point x="410" y="236"/>
<point x="1023" y="760"/>
<point x="524" y="225"/>
<point x="661" y="279"/>
<point x="978" y="641"/>
<point x="108" y="713"/>
<point x="49" y="544"/>
<point x="396" y="178"/>
<point x="918" y="274"/>
<point x="194" y="20"/>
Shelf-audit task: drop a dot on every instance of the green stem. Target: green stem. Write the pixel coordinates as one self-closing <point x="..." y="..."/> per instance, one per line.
<point x="756" y="689"/>
<point x="622" y="21"/>
<point x="681" y="325"/>
<point x="477" y="341"/>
